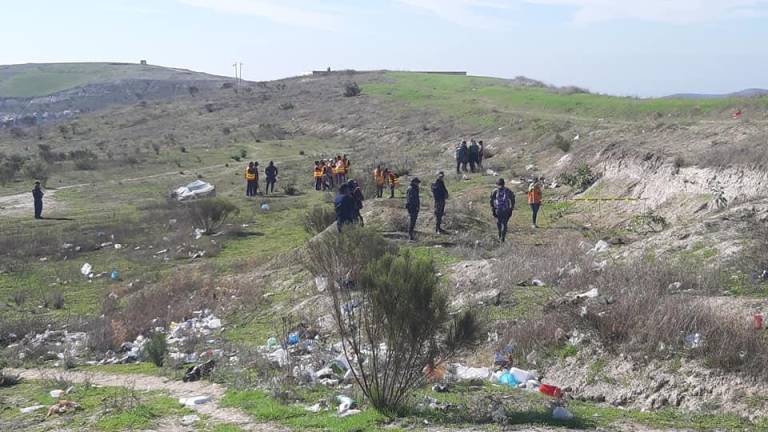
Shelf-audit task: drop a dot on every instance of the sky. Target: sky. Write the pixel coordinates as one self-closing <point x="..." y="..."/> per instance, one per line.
<point x="622" y="47"/>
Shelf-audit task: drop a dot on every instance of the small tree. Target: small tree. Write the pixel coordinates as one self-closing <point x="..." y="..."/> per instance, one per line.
<point x="211" y="213"/>
<point x="36" y="170"/>
<point x="393" y="319"/>
<point x="156" y="348"/>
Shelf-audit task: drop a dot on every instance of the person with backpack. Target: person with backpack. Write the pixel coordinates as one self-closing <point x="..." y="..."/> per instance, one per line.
<point x="413" y="204"/>
<point x="440" y="195"/>
<point x="317" y="175"/>
<point x="502" y="204"/>
<point x="271" y="173"/>
<point x="344" y="205"/>
<point x="357" y="195"/>
<point x="250" y="180"/>
<point x="534" y="200"/>
<point x="379" y="180"/>
<point x="462" y="153"/>
<point x="474" y="155"/>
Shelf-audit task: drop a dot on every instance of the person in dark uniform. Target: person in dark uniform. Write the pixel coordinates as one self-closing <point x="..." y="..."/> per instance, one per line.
<point x="37" y="195"/>
<point x="412" y="204"/>
<point x="440" y="194"/>
<point x="271" y="173"/>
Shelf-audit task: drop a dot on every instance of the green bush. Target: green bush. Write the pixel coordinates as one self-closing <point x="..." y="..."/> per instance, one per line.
<point x="36" y="170"/>
<point x="581" y="179"/>
<point x="211" y="213"/>
<point x="351" y="89"/>
<point x="318" y="218"/>
<point x="156" y="348"/>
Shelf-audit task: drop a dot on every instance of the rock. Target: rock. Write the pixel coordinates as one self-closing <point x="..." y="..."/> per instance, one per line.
<point x="189" y="420"/>
<point x="194" y="400"/>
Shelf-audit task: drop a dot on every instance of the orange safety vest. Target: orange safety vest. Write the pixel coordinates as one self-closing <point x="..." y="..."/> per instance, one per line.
<point x="392" y="179"/>
<point x="339" y="168"/>
<point x="534" y="195"/>
<point x="250" y="175"/>
<point x="318" y="172"/>
<point x="379" y="176"/>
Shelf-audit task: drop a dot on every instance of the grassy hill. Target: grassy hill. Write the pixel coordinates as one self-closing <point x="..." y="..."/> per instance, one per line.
<point x="30" y="80"/>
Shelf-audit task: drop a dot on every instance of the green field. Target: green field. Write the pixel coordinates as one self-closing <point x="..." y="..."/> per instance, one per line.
<point x="29" y="80"/>
<point x="482" y="100"/>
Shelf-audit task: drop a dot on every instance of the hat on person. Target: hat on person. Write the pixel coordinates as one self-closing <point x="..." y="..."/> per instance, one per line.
<point x="500" y="182"/>
<point x="440" y="174"/>
<point x="415" y="180"/>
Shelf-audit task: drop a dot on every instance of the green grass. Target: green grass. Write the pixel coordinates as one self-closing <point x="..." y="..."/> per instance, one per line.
<point x="102" y="408"/>
<point x="42" y="79"/>
<point x="144" y="368"/>
<point x="488" y="101"/>
<point x="264" y="408"/>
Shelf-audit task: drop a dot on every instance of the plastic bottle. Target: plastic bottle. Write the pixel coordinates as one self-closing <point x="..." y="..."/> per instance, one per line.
<point x="293" y="339"/>
<point x="551" y="390"/>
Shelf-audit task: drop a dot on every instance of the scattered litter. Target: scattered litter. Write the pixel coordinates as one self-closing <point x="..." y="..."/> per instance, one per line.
<point x="118" y="246"/>
<point x="758" y="321"/>
<point x="198" y="233"/>
<point x="561" y="414"/>
<point x="693" y="341"/>
<point x="530" y="167"/>
<point x="197" y="372"/>
<point x="589" y="294"/>
<point x="279" y="356"/>
<point x="321" y="283"/>
<point x="491" y="172"/>
<point x="346" y="404"/>
<point x="522" y="376"/>
<point x="674" y="286"/>
<point x="551" y="390"/>
<point x="189" y="420"/>
<point x="538" y="283"/>
<point x="86" y="270"/>
<point x="56" y="393"/>
<point x="195" y="400"/>
<point x="272" y="343"/>
<point x="31" y="409"/>
<point x="196" y="189"/>
<point x="600" y="247"/>
<point x="62" y="407"/>
<point x="115" y="276"/>
<point x="265" y="207"/>
<point x="470" y="373"/>
<point x="316" y="408"/>
<point x="440" y="388"/>
<point x="508" y="379"/>
<point x="293" y="339"/>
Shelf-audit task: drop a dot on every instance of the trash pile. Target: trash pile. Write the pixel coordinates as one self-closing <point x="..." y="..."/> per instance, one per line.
<point x="51" y="345"/>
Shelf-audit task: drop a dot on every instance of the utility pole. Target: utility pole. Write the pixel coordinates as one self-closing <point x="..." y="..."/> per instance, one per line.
<point x="241" y="72"/>
<point x="235" y="66"/>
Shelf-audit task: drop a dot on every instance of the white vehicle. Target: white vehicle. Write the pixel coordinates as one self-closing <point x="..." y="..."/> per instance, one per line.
<point x="196" y="189"/>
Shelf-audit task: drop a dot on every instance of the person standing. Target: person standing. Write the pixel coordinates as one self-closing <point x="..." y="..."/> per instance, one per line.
<point x="440" y="194"/>
<point x="344" y="205"/>
<point x="391" y="180"/>
<point x="250" y="180"/>
<point x="462" y="152"/>
<point x="480" y="154"/>
<point x="413" y="204"/>
<point x="256" y="181"/>
<point x="317" y="175"/>
<point x="378" y="178"/>
<point x="338" y="170"/>
<point x="327" y="175"/>
<point x="37" y="196"/>
<point x="357" y="195"/>
<point x="474" y="155"/>
<point x="347" y="164"/>
<point x="502" y="204"/>
<point x="534" y="200"/>
<point x="271" y="173"/>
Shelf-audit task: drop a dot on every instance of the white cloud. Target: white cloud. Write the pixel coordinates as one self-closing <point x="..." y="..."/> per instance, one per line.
<point x="669" y="11"/>
<point x="473" y="12"/>
<point x="299" y="14"/>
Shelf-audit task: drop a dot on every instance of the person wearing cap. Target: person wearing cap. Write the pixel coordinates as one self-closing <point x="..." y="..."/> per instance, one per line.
<point x="502" y="204"/>
<point x="440" y="194"/>
<point x="37" y="196"/>
<point x="412" y="204"/>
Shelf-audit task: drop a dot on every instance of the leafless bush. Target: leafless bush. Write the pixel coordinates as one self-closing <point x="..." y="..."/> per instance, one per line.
<point x="19" y="297"/>
<point x="13" y="329"/>
<point x="318" y="218"/>
<point x="211" y="213"/>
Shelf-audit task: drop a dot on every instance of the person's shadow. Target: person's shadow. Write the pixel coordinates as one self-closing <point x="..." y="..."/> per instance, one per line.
<point x="56" y="218"/>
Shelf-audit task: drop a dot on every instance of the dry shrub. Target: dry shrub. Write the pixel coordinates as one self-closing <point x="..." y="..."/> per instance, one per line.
<point x="13" y="329"/>
<point x="318" y="218"/>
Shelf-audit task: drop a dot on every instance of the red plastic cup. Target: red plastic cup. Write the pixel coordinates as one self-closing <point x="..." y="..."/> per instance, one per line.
<point x="551" y="390"/>
<point x="758" y="321"/>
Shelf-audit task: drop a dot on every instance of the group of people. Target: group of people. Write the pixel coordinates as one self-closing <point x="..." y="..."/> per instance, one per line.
<point x="384" y="178"/>
<point x="331" y="172"/>
<point x="471" y="154"/>
<point x="348" y="203"/>
<point x="252" y="178"/>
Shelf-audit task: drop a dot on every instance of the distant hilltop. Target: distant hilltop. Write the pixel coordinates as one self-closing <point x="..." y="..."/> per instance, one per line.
<point x="753" y="92"/>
